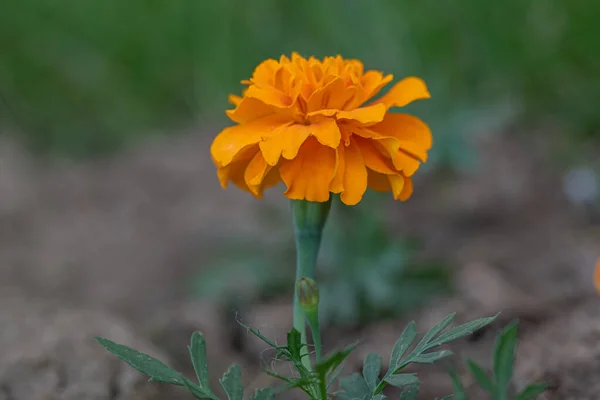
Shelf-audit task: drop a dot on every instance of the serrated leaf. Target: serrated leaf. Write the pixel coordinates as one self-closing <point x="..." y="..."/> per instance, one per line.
<point x="532" y="391"/>
<point x="462" y="330"/>
<point x="430" y="358"/>
<point x="458" y="388"/>
<point x="482" y="378"/>
<point x="155" y="369"/>
<point x="504" y="359"/>
<point x="371" y="370"/>
<point x="402" y="380"/>
<point x="294" y="344"/>
<point x="355" y="386"/>
<point x="197" y="391"/>
<point x="402" y="345"/>
<point x="435" y="330"/>
<point x="324" y="368"/>
<point x="410" y="393"/>
<point x="232" y="383"/>
<point x="263" y="394"/>
<point x="198" y="355"/>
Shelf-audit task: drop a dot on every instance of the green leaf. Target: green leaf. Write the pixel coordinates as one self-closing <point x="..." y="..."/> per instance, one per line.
<point x="371" y="370"/>
<point x="259" y="335"/>
<point x="402" y="380"/>
<point x="355" y="386"/>
<point x="155" y="369"/>
<point x="458" y="388"/>
<point x="197" y="391"/>
<point x="294" y="344"/>
<point x="437" y="329"/>
<point x="198" y="354"/>
<point x="504" y="359"/>
<point x="482" y="378"/>
<point x="430" y="358"/>
<point x="410" y="393"/>
<point x="402" y="345"/>
<point x="324" y="368"/>
<point x="232" y="383"/>
<point x="532" y="391"/>
<point x="380" y="396"/>
<point x="462" y="330"/>
<point x="264" y="394"/>
<point x="334" y="376"/>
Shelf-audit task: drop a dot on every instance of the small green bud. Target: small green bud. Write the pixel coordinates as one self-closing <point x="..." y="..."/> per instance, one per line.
<point x="308" y="294"/>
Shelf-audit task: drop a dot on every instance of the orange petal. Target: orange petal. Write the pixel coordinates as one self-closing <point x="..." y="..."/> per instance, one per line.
<point x="378" y="182"/>
<point x="326" y="131"/>
<point x="413" y="135"/>
<point x="285" y="141"/>
<point x="235" y="100"/>
<point x="269" y="96"/>
<point x="407" y="191"/>
<point x="337" y="184"/>
<point x="255" y="172"/>
<point x="355" y="175"/>
<point x="402" y="187"/>
<point x="237" y="164"/>
<point x="373" y="158"/>
<point x="397" y="185"/>
<point x="235" y="138"/>
<point x="249" y="109"/>
<point x="372" y="82"/>
<point x="404" y="92"/>
<point x="320" y="97"/>
<point x="309" y="175"/>
<point x="365" y="115"/>
<point x="406" y="163"/>
<point x="265" y="71"/>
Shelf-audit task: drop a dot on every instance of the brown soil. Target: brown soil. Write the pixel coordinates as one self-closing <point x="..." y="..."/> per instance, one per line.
<point x="112" y="241"/>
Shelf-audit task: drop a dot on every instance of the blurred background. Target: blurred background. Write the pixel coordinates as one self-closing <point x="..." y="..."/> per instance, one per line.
<point x="112" y="221"/>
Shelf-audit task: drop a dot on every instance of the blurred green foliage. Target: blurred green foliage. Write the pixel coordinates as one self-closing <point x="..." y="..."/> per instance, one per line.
<point x="365" y="273"/>
<point x="83" y="77"/>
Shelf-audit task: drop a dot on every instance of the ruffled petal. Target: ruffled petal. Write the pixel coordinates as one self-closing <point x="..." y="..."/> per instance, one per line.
<point x="249" y="109"/>
<point x="404" y="92"/>
<point x="337" y="183"/>
<point x="372" y="82"/>
<point x="270" y="96"/>
<point x="285" y="141"/>
<point x="328" y="93"/>
<point x="365" y="115"/>
<point x="355" y="175"/>
<point x="373" y="158"/>
<point x="235" y="138"/>
<point x="255" y="172"/>
<point x="412" y="134"/>
<point x="309" y="175"/>
<point x="378" y="182"/>
<point x="402" y="187"/>
<point x="235" y="171"/>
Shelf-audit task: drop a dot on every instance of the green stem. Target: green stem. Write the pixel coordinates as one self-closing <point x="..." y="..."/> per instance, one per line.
<point x="309" y="220"/>
<point x="313" y="322"/>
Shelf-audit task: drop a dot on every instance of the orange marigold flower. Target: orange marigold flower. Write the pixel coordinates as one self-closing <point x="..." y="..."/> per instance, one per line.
<point x="307" y="122"/>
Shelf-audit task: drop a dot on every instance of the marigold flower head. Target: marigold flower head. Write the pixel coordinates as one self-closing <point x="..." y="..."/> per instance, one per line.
<point x="313" y="125"/>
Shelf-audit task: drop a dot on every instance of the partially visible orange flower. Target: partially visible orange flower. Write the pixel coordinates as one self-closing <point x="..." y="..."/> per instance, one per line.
<point x="307" y="122"/>
<point x="597" y="275"/>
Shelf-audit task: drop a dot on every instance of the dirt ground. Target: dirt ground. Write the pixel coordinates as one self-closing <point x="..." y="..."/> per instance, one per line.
<point x="105" y="247"/>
